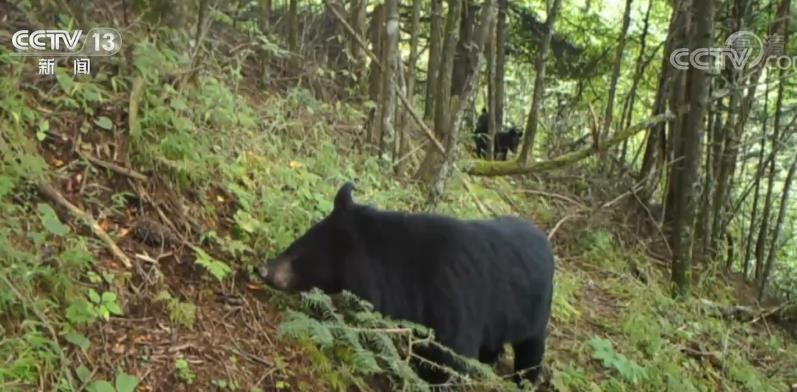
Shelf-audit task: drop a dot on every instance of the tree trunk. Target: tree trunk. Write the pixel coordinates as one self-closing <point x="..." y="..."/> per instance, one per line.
<point x="357" y="20"/>
<point x="413" y="59"/>
<point x="618" y="63"/>
<point x="492" y="101"/>
<point x="773" y="247"/>
<point x="628" y="109"/>
<point x="375" y="79"/>
<point x="263" y="59"/>
<point x="460" y="101"/>
<point x="435" y="58"/>
<point x="655" y="148"/>
<point x="530" y="132"/>
<point x="500" y="65"/>
<point x="442" y="98"/>
<point x="390" y="59"/>
<point x="685" y="170"/>
<point x="756" y="193"/>
<point x="464" y="55"/>
<point x="776" y="129"/>
<point x="293" y="37"/>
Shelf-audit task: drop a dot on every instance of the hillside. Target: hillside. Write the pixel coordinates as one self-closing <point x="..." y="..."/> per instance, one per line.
<point x="136" y="202"/>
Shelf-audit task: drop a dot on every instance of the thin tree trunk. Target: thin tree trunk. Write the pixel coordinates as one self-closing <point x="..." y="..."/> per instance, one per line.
<point x="435" y="58"/>
<point x="654" y="156"/>
<point x="776" y="129"/>
<point x="492" y="101"/>
<point x="618" y="63"/>
<point x="761" y="168"/>
<point x="387" y="143"/>
<point x="413" y="59"/>
<point x="263" y="59"/>
<point x="530" y="132"/>
<point x="293" y="37"/>
<point x="375" y="77"/>
<point x="773" y="247"/>
<point x="628" y="112"/>
<point x="500" y="65"/>
<point x="357" y="20"/>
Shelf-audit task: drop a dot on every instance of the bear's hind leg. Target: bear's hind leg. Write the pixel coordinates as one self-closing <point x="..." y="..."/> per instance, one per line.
<point x="528" y="358"/>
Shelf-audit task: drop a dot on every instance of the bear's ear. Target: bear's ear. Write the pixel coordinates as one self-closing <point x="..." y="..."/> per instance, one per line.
<point x="343" y="199"/>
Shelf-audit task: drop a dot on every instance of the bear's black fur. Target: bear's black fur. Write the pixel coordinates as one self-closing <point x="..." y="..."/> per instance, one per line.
<point x="507" y="141"/>
<point x="477" y="283"/>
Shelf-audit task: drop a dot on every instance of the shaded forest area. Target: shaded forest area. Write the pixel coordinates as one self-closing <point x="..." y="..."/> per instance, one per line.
<point x="137" y="200"/>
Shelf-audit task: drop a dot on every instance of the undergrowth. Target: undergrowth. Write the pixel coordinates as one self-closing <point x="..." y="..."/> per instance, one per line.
<point x="253" y="172"/>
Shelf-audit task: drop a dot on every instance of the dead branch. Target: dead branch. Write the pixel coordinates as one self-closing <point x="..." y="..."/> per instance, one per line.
<point x="553" y="196"/>
<point x="52" y="194"/>
<point x="713" y="357"/>
<point x="113" y="167"/>
<point x="132" y="111"/>
<point x="559" y="224"/>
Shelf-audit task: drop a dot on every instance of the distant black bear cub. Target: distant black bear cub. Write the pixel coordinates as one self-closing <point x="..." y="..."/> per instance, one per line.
<point x="477" y="283"/>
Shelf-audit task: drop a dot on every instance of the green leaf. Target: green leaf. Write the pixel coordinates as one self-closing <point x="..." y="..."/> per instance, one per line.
<point x="114" y="308"/>
<point x="78" y="340"/>
<point x="101" y="386"/>
<point x="83" y="373"/>
<point x="218" y="269"/>
<point x="80" y="312"/>
<point x="104" y="123"/>
<point x="50" y="220"/>
<point x="126" y="382"/>
<point x="108" y="297"/>
<point x="41" y="133"/>
<point x="94" y="297"/>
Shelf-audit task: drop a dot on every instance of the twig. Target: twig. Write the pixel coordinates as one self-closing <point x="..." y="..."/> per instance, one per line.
<point x="132" y="111"/>
<point x="553" y="196"/>
<point x="113" y="167"/>
<point x="559" y="224"/>
<point x="56" y="197"/>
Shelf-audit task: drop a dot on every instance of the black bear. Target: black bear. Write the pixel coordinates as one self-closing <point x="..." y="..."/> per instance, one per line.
<point x="477" y="283"/>
<point x="481" y="134"/>
<point x="507" y="141"/>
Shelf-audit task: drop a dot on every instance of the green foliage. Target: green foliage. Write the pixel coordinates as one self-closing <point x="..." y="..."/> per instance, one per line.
<point x="218" y="269"/>
<point x="184" y="372"/>
<point x="363" y="341"/>
<point x="180" y="313"/>
<point x="603" y="350"/>
<point x="564" y="301"/>
<point x="123" y="382"/>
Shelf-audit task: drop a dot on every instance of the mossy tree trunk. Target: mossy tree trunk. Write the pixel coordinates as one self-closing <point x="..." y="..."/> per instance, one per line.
<point x="685" y="169"/>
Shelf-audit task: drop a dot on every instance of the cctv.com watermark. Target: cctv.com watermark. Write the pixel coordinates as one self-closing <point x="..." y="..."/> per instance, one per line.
<point x="743" y="50"/>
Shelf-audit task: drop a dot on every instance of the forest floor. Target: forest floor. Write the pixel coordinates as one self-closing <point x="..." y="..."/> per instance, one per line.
<point x="222" y="177"/>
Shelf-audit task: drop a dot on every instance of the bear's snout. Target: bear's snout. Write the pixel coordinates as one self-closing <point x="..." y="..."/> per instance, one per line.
<point x="262" y="270"/>
<point x="277" y="274"/>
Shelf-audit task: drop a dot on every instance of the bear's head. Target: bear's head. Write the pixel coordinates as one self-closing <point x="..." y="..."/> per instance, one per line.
<point x="316" y="258"/>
